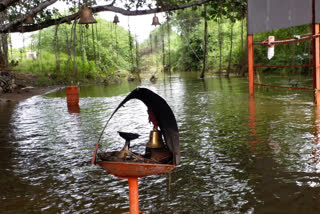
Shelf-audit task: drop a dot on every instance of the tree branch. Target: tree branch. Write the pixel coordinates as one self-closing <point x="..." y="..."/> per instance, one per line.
<point x="6" y="3"/>
<point x="14" y="27"/>
<point x="16" y="23"/>
<point x="145" y="12"/>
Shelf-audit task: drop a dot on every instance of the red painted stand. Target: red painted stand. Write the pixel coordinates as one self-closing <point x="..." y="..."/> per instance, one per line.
<point x="132" y="171"/>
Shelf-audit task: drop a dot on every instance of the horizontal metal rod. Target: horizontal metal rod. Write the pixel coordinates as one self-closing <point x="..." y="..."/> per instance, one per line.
<point x="288" y="41"/>
<point x="287" y="87"/>
<point x="282" y="66"/>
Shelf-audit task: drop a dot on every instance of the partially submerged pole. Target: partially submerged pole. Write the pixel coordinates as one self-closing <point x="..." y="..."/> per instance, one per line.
<point x="250" y="65"/>
<point x="316" y="68"/>
<point x="315" y="59"/>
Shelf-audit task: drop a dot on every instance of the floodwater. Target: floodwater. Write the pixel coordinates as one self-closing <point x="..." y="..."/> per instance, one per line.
<point x="239" y="154"/>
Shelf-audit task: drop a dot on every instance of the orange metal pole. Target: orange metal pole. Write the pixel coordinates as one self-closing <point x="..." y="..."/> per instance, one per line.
<point x="316" y="65"/>
<point x="250" y="65"/>
<point x="133" y="195"/>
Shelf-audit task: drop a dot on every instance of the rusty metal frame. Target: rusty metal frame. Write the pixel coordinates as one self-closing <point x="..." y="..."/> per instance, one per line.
<point x="315" y="56"/>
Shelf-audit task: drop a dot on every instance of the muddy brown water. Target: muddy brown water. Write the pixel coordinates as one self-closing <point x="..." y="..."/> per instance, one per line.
<point x="239" y="155"/>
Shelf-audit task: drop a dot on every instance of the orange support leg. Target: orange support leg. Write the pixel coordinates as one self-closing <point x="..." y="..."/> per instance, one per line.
<point x="250" y="65"/>
<point x="316" y="65"/>
<point x="133" y="195"/>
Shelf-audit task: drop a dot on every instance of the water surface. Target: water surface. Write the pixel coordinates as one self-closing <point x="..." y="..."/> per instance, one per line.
<point x="239" y="154"/>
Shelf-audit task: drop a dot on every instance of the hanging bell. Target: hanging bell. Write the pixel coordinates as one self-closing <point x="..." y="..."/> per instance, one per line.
<point x="155" y="20"/>
<point x="86" y="16"/>
<point x="116" y="19"/>
<point x="29" y="20"/>
<point x="155" y="140"/>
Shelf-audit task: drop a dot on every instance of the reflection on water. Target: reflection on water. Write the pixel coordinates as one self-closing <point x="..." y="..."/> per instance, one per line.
<point x="316" y="140"/>
<point x="240" y="154"/>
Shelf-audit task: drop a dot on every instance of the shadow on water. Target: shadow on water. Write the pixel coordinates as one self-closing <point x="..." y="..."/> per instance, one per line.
<point x="240" y="154"/>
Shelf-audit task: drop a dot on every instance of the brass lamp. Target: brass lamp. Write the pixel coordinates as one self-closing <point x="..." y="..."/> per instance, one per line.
<point x="155" y="20"/>
<point x="86" y="16"/>
<point x="116" y="19"/>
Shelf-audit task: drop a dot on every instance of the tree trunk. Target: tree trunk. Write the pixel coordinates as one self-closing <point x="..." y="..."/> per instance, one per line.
<point x="75" y="71"/>
<point x="230" y="53"/>
<point x="243" y="55"/>
<point x="205" y="41"/>
<point x="97" y="39"/>
<point x="241" y="50"/>
<point x="68" y="45"/>
<point x="82" y="43"/>
<point x="220" y="40"/>
<point x="56" y="44"/>
<point x="151" y="56"/>
<point x="39" y="51"/>
<point x="130" y="40"/>
<point x="3" y="45"/>
<point x="164" y="67"/>
<point x="71" y="45"/>
<point x="4" y="50"/>
<point x="137" y="59"/>
<point x="242" y="23"/>
<point x="93" y="45"/>
<point x="169" y="51"/>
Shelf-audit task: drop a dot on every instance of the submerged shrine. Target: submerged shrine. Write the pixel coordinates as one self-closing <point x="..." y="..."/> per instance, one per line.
<point x="162" y="151"/>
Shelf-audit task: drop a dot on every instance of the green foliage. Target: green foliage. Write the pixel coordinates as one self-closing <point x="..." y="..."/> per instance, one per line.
<point x="187" y="39"/>
<point x="104" y="49"/>
<point x="100" y="51"/>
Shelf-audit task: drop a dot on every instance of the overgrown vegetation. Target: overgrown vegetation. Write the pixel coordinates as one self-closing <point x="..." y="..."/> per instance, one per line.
<point x="72" y="52"/>
<point x="105" y="52"/>
<point x="186" y="44"/>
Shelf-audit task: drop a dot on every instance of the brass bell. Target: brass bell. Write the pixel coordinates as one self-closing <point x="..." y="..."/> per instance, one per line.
<point x="86" y="16"/>
<point x="155" y="140"/>
<point x="155" y="20"/>
<point x="116" y="19"/>
<point x="29" y="20"/>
